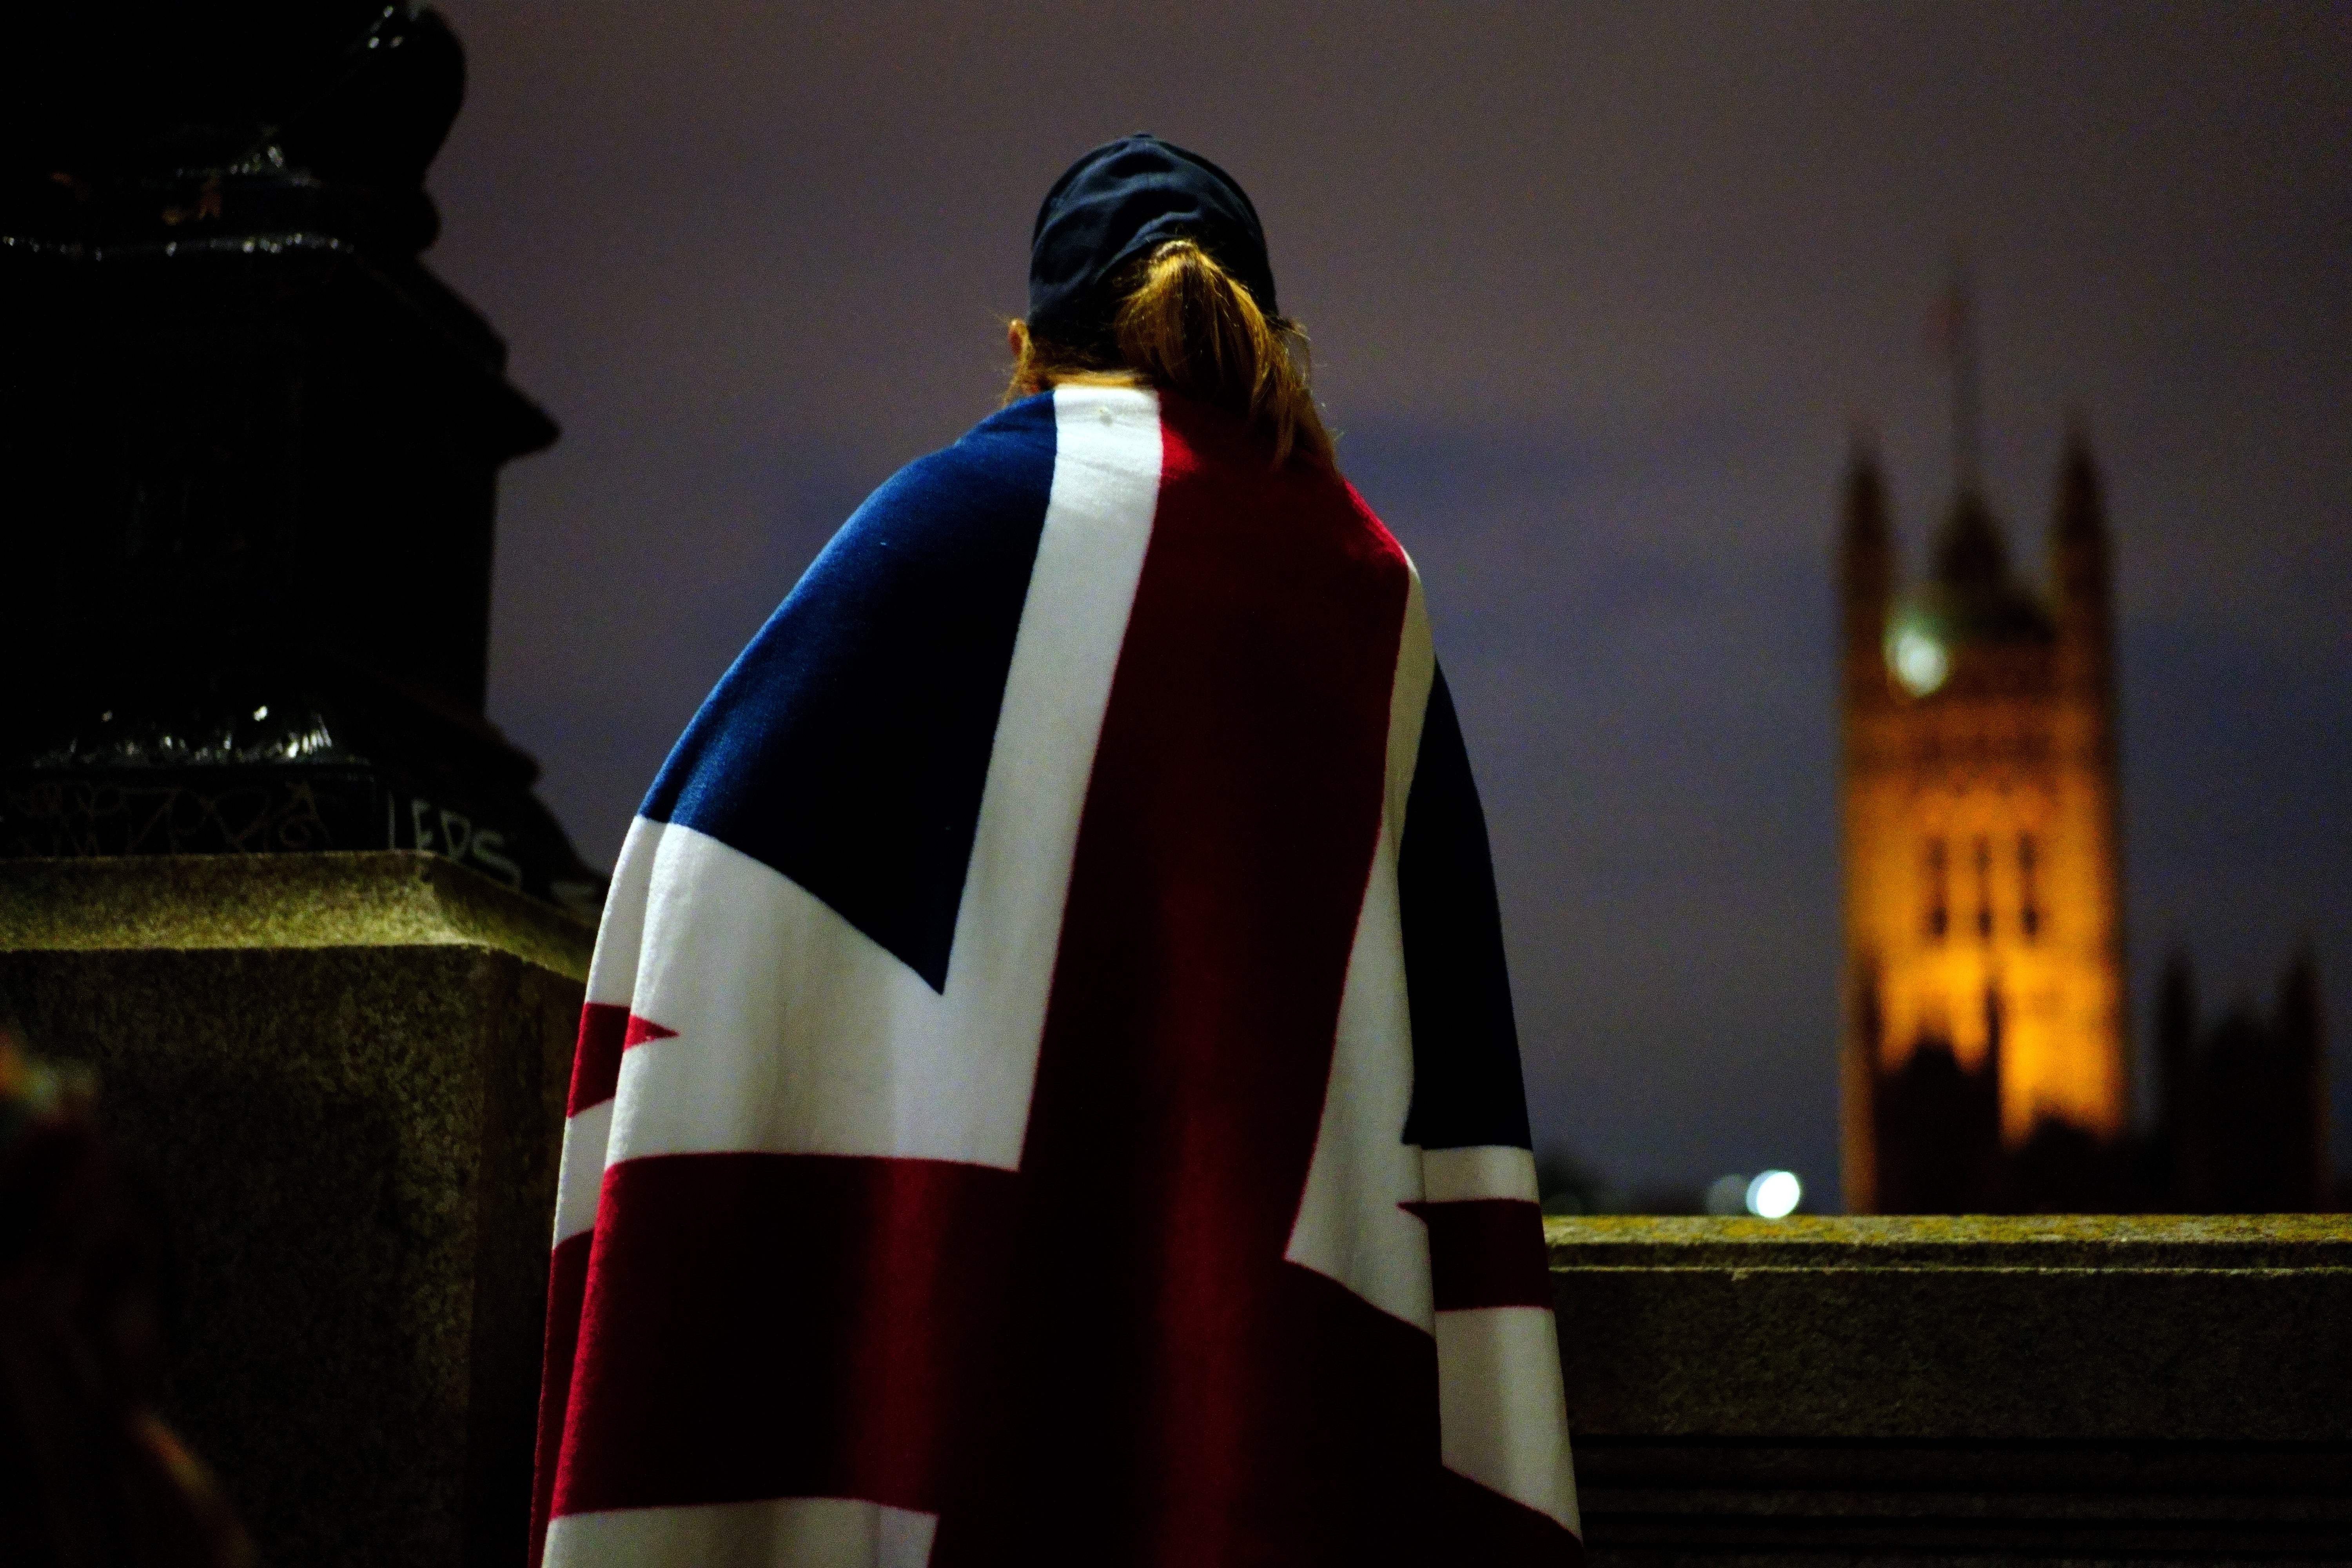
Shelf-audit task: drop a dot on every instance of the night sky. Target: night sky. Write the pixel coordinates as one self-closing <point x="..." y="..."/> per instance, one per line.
<point x="1597" y="295"/>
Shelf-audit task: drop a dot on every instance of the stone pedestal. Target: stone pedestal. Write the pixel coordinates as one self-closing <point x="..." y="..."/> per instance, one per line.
<point x="2057" y="1389"/>
<point x="343" y="1076"/>
<point x="249" y="447"/>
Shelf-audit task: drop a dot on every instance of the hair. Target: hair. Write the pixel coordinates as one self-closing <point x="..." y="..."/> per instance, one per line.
<point x="1187" y="325"/>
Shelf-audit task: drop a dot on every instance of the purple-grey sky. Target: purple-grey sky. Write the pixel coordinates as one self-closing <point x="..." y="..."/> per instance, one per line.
<point x="1597" y="294"/>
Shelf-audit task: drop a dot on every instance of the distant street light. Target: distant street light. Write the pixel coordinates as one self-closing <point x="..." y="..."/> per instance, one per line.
<point x="1727" y="1196"/>
<point x="1774" y="1195"/>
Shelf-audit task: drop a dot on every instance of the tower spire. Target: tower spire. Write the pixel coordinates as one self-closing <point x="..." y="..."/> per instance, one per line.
<point x="1955" y="333"/>
<point x="1970" y="552"/>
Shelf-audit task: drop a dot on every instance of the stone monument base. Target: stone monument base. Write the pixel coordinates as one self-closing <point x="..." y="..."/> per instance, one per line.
<point x="343" y="1078"/>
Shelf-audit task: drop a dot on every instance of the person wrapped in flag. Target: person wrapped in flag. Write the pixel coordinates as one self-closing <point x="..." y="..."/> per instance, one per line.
<point x="1048" y="1091"/>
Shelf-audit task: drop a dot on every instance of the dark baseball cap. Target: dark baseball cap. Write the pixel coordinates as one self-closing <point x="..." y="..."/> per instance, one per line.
<point x="1118" y="202"/>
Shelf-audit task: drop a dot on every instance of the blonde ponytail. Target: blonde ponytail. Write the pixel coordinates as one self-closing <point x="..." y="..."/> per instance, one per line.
<point x="1185" y="324"/>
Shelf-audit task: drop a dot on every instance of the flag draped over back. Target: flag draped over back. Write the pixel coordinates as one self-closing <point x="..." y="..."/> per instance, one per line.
<point x="1048" y="1091"/>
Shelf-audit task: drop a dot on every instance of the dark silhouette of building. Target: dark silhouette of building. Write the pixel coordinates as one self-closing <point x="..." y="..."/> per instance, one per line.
<point x="1934" y="1120"/>
<point x="2240" y="1121"/>
<point x="2242" y="1124"/>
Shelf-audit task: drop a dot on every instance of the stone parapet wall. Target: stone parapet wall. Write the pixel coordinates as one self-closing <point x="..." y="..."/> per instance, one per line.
<point x="2057" y="1388"/>
<point x="343" y="1078"/>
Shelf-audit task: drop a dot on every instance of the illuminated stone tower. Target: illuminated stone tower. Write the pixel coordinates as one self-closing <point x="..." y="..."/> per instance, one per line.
<point x="1983" y="976"/>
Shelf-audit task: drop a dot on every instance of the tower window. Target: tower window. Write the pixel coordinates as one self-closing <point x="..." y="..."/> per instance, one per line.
<point x="1984" y="888"/>
<point x="1938" y="894"/>
<point x="2029" y="890"/>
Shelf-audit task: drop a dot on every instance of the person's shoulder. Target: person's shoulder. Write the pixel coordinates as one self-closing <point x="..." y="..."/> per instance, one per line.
<point x="1376" y="532"/>
<point x="1010" y="452"/>
<point x="987" y="492"/>
<point x="922" y="587"/>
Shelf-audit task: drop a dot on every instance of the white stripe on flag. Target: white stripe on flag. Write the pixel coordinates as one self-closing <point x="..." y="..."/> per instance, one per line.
<point x="1488" y="1171"/>
<point x="779" y="1532"/>
<point x="1350" y="1226"/>
<point x="620" y="934"/>
<point x="1501" y="1407"/>
<point x="580" y="1179"/>
<point x="795" y="1032"/>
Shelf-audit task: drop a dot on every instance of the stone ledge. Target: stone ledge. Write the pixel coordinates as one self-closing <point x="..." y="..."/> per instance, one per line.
<point x="391" y="897"/>
<point x="2061" y="1329"/>
<point x="2049" y="1388"/>
<point x="2197" y="1242"/>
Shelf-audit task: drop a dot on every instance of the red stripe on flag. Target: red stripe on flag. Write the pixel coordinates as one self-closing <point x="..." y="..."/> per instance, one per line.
<point x="606" y="1029"/>
<point x="1486" y="1252"/>
<point x="567" y="1285"/>
<point x="780" y="1325"/>
<point x="643" y="1031"/>
<point x="1179" y="1397"/>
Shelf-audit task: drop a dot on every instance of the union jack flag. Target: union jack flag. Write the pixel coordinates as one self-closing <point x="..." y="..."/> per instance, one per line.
<point x="1048" y="1091"/>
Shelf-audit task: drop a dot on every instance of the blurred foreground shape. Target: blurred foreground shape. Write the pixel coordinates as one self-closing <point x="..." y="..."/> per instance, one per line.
<point x="91" y="1476"/>
<point x="1814" y="1390"/>
<point x="343" y="1076"/>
